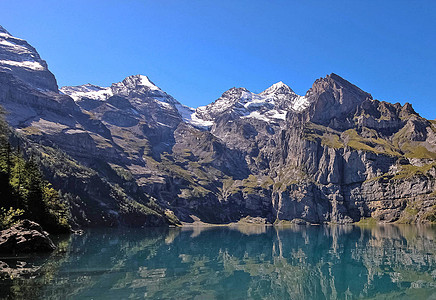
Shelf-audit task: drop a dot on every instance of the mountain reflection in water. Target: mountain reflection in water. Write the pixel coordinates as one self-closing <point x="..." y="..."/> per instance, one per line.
<point x="241" y="262"/>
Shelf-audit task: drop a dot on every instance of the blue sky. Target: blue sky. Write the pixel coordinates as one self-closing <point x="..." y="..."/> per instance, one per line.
<point x="195" y="50"/>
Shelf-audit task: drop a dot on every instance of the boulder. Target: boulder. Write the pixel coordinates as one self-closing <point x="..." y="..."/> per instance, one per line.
<point x="16" y="269"/>
<point x="25" y="237"/>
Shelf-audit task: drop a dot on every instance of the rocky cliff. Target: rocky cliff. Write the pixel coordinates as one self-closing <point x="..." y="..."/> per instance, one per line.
<point x="333" y="155"/>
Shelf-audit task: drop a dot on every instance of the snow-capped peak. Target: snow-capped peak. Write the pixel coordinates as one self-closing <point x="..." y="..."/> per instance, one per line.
<point x="271" y="105"/>
<point x="140" y="84"/>
<point x="278" y="88"/>
<point x="145" y="81"/>
<point x="135" y="82"/>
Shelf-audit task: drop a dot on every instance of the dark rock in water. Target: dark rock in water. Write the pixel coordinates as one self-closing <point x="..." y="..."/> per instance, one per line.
<point x="17" y="269"/>
<point x="253" y="220"/>
<point x="25" y="237"/>
<point x="292" y="222"/>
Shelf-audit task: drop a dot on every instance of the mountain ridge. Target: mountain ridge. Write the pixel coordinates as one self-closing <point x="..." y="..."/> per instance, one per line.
<point x="334" y="155"/>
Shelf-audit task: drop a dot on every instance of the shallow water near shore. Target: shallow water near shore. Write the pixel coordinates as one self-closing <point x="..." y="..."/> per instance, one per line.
<point x="241" y="262"/>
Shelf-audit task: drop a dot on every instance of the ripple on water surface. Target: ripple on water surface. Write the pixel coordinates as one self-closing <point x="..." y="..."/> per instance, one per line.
<point x="245" y="262"/>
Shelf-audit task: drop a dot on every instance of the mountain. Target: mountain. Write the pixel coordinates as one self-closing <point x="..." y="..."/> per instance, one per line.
<point x="271" y="105"/>
<point x="22" y="60"/>
<point x="132" y="154"/>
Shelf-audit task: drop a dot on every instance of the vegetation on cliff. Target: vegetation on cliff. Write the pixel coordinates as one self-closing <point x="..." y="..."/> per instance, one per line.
<point x="24" y="193"/>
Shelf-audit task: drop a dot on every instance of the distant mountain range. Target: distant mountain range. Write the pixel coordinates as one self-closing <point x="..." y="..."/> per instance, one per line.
<point x="130" y="154"/>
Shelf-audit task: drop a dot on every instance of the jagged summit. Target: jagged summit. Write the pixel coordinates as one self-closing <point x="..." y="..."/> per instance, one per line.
<point x="336" y="82"/>
<point x="144" y="81"/>
<point x="135" y="95"/>
<point x="336" y="77"/>
<point x="134" y="85"/>
<point x="333" y="77"/>
<point x="3" y="30"/>
<point x="333" y="98"/>
<point x="135" y="82"/>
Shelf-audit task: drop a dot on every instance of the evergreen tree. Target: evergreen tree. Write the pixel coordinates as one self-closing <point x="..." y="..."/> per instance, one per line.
<point x="33" y="185"/>
<point x="5" y="164"/>
<point x="23" y="191"/>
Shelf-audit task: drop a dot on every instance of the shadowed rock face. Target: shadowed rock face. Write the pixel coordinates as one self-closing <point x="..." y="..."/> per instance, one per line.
<point x="26" y="236"/>
<point x="332" y="155"/>
<point x="334" y="100"/>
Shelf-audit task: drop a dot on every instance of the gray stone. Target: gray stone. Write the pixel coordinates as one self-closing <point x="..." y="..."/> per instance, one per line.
<point x="24" y="237"/>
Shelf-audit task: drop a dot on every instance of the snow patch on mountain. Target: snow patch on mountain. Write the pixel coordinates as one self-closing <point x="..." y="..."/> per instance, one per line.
<point x="189" y="116"/>
<point x="19" y="58"/>
<point x="89" y="91"/>
<point x="271" y="105"/>
<point x="145" y="81"/>
<point x="163" y="104"/>
<point x="16" y="46"/>
<point x="19" y="53"/>
<point x="7" y="43"/>
<point x="28" y="64"/>
<point x="300" y="103"/>
<point x="198" y="122"/>
<point x="257" y="115"/>
<point x="269" y="116"/>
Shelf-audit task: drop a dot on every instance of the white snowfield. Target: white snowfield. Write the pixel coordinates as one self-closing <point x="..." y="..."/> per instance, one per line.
<point x="300" y="103"/>
<point x="271" y="105"/>
<point x="145" y="81"/>
<point x="189" y="116"/>
<point x="89" y="91"/>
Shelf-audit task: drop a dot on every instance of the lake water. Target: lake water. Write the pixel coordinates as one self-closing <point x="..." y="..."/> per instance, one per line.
<point x="247" y="262"/>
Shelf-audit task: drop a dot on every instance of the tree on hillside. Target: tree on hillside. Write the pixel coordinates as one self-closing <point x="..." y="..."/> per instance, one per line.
<point x="23" y="191"/>
<point x="33" y="185"/>
<point x="5" y="164"/>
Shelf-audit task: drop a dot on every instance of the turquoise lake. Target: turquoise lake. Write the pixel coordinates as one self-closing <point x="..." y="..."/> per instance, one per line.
<point x="245" y="262"/>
